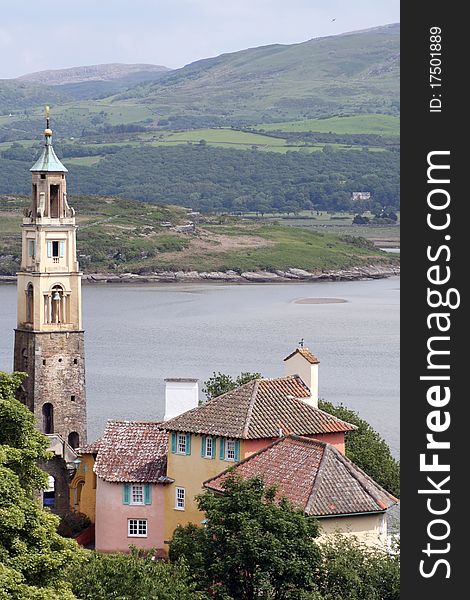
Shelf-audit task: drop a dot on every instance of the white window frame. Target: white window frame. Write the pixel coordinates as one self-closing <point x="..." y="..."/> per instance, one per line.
<point x="138" y="525"/>
<point x="180" y="498"/>
<point x="209" y="443"/>
<point x="134" y="488"/>
<point x="181" y="449"/>
<point x="230" y="448"/>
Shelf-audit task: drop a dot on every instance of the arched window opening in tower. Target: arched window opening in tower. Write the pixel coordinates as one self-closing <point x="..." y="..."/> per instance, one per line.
<point x="54" y="196"/>
<point x="74" y="439"/>
<point x="48" y="418"/>
<point x="29" y="303"/>
<point x="58" y="305"/>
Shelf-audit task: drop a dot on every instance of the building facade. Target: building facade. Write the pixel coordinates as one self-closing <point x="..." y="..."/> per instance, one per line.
<point x="49" y="339"/>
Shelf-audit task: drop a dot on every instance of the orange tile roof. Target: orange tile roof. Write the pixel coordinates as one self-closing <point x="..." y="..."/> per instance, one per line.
<point x="314" y="476"/>
<point x="305" y="352"/>
<point x="259" y="409"/>
<point x="132" y="451"/>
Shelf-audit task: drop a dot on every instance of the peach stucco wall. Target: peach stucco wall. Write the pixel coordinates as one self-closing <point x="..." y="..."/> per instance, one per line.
<point x="112" y="514"/>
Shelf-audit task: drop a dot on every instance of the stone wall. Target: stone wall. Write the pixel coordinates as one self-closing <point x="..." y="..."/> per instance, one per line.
<point x="55" y="364"/>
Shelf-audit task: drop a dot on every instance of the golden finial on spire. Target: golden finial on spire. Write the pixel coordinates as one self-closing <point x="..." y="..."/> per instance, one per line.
<point x="48" y="130"/>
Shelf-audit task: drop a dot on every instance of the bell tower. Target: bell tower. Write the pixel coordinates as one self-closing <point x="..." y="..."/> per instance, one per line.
<point x="49" y="343"/>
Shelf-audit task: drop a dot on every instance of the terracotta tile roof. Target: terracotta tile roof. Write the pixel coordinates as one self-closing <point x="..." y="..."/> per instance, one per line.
<point x="132" y="451"/>
<point x="314" y="476"/>
<point x="259" y="409"/>
<point x="305" y="352"/>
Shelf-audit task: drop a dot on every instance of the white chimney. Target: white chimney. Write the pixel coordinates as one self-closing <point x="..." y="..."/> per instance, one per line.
<point x="304" y="364"/>
<point x="181" y="395"/>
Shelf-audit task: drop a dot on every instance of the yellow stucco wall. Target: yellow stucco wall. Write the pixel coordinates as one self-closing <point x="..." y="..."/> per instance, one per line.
<point x="368" y="529"/>
<point x="87" y="502"/>
<point x="189" y="472"/>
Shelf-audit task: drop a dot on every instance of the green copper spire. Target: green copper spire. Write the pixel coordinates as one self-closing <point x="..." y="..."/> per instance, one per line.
<point x="48" y="160"/>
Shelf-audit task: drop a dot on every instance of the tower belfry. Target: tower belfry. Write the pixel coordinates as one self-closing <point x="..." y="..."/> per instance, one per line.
<point x="49" y="343"/>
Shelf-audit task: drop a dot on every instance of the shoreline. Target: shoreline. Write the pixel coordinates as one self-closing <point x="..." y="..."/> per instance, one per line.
<point x="291" y="275"/>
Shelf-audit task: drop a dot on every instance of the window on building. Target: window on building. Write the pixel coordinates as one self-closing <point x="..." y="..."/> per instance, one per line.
<point x="48" y="418"/>
<point x="137" y="527"/>
<point x="48" y="495"/>
<point x="181" y="445"/>
<point x="72" y="398"/>
<point x="54" y="197"/>
<point x="74" y="439"/>
<point x="207" y="446"/>
<point x="137" y="494"/>
<point x="230" y="450"/>
<point x="179" y="498"/>
<point x="56" y="248"/>
<point x="208" y="453"/>
<point x="29" y="303"/>
<point x="31" y="248"/>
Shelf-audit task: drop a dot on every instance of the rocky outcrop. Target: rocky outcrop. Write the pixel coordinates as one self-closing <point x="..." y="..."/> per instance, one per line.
<point x="354" y="273"/>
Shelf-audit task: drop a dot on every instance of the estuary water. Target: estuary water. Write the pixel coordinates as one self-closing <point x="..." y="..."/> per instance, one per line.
<point x="138" y="335"/>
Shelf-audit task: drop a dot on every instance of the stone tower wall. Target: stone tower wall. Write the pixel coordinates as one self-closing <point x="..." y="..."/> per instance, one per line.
<point x="55" y="364"/>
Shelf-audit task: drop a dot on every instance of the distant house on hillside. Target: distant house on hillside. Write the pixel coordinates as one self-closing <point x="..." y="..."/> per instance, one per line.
<point x="361" y="195"/>
<point x="317" y="478"/>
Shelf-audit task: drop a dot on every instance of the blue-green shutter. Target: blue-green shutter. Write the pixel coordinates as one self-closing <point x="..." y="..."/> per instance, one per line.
<point x="49" y="249"/>
<point x="213" y="446"/>
<point x="237" y="450"/>
<point x="188" y="443"/>
<point x="126" y="493"/>
<point x="203" y="446"/>
<point x="222" y="449"/>
<point x="62" y="249"/>
<point x="173" y="442"/>
<point x="147" y="494"/>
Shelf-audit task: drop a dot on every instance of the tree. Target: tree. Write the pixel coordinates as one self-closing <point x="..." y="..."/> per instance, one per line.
<point x="220" y="383"/>
<point x="33" y="556"/>
<point x="253" y="545"/>
<point x="131" y="576"/>
<point x="352" y="571"/>
<point x="367" y="449"/>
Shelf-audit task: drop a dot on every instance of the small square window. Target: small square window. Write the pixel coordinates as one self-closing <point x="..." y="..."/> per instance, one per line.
<point x="43" y="361"/>
<point x="137" y="527"/>
<point x="180" y="498"/>
<point x="137" y="494"/>
<point x="181" y="443"/>
<point x="75" y="361"/>
<point x="72" y="398"/>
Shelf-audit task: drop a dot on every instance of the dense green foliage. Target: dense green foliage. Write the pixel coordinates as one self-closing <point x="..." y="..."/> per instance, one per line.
<point x="206" y="178"/>
<point x="255" y="547"/>
<point x="220" y="383"/>
<point x="251" y="546"/>
<point x="134" y="576"/>
<point x="33" y="556"/>
<point x="352" y="571"/>
<point x="367" y="449"/>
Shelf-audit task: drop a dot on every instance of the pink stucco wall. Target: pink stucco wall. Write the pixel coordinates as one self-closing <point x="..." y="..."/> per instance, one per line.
<point x="252" y="446"/>
<point x="112" y="514"/>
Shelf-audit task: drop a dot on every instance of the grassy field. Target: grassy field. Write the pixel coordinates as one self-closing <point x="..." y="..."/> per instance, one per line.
<point x="371" y="124"/>
<point x="121" y="236"/>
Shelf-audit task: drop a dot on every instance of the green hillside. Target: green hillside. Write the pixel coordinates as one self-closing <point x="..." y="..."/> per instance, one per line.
<point x="349" y="73"/>
<point x="124" y="236"/>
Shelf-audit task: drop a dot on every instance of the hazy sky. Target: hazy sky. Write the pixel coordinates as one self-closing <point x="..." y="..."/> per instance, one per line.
<point x="53" y="34"/>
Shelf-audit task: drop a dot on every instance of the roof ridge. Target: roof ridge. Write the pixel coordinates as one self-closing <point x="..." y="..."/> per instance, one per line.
<point x="370" y="486"/>
<point x="318" y="480"/>
<point x="249" y="412"/>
